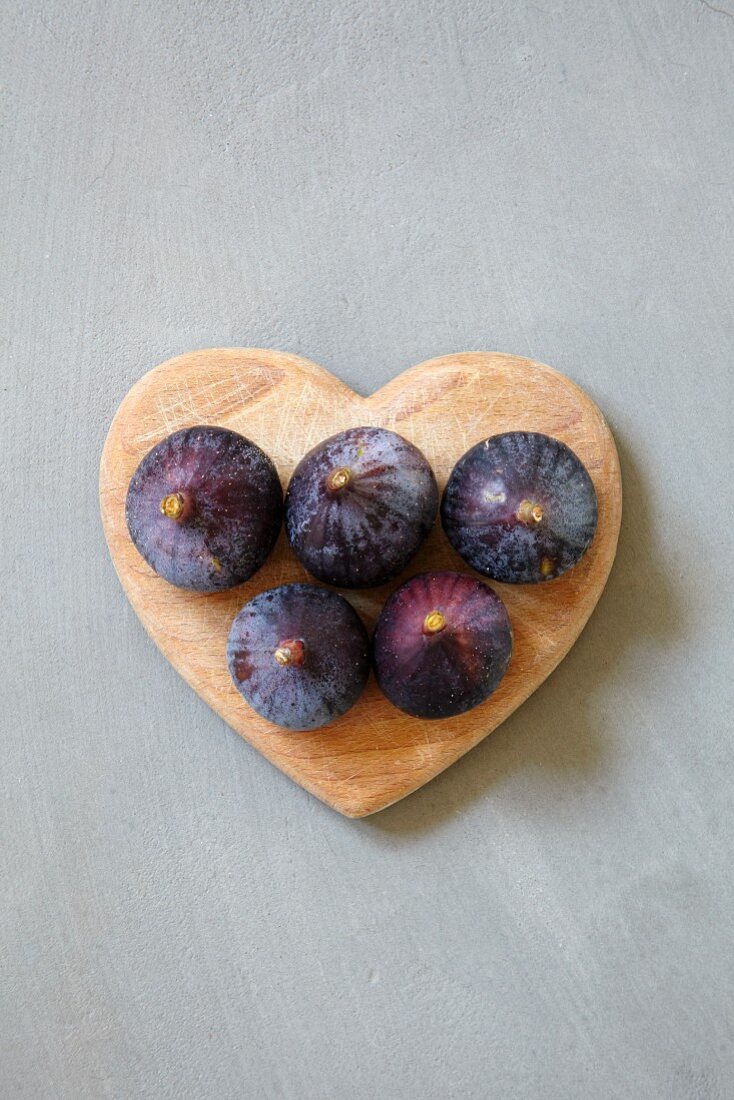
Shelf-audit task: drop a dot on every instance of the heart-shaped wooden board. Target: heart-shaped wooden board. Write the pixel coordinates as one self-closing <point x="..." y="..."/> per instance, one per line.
<point x="373" y="755"/>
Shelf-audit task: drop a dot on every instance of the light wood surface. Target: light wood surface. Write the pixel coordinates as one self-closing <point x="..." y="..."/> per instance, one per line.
<point x="374" y="755"/>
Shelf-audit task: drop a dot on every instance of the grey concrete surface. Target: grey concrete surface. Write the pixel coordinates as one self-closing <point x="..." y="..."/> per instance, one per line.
<point x="368" y="184"/>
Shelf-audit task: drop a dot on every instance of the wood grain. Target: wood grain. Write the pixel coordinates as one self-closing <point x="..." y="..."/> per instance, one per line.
<point x="374" y="755"/>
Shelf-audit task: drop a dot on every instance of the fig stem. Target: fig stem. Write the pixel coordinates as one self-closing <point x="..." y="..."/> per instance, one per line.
<point x="173" y="505"/>
<point x="339" y="479"/>
<point x="434" y="622"/>
<point x="529" y="513"/>
<point x="290" y="652"/>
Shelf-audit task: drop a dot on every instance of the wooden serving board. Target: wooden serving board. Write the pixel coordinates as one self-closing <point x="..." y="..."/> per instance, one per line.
<point x="374" y="755"/>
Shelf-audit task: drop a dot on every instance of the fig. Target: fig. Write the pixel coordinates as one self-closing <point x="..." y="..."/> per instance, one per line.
<point x="204" y="508"/>
<point x="358" y="507"/>
<point x="441" y="645"/>
<point x="299" y="655"/>
<point x="520" y="508"/>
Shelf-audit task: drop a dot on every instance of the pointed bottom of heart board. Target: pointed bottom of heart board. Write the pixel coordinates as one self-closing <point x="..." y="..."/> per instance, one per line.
<point x="374" y="755"/>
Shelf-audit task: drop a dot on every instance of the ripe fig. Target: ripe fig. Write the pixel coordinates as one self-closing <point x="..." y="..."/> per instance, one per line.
<point x="520" y="507"/>
<point x="358" y="507"/>
<point x="299" y="655"/>
<point x="442" y="644"/>
<point x="204" y="508"/>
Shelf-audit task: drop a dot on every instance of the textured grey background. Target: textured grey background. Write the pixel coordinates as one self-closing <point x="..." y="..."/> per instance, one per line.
<point x="368" y="184"/>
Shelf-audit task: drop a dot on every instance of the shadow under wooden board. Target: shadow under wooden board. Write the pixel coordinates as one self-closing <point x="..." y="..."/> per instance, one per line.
<point x="374" y="755"/>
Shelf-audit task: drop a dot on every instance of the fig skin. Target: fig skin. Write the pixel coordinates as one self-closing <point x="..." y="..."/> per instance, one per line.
<point x="358" y="507"/>
<point x="204" y="508"/>
<point x="520" y="508"/>
<point x="442" y="644"/>
<point x="299" y="655"/>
